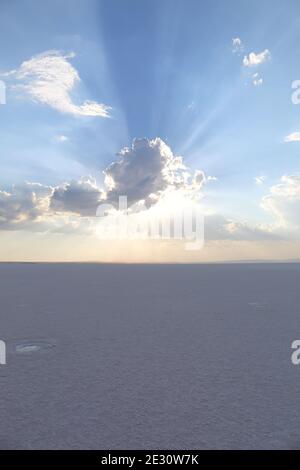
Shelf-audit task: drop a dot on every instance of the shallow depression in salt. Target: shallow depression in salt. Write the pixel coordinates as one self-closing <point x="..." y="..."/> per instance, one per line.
<point x="28" y="347"/>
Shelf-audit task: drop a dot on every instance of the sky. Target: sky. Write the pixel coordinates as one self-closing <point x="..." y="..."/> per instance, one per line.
<point x="171" y="103"/>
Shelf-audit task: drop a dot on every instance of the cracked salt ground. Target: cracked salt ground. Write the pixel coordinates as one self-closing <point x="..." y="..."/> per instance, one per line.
<point x="120" y="373"/>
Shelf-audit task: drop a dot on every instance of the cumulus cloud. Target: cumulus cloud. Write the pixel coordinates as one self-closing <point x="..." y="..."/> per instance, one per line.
<point x="294" y="137"/>
<point x="146" y="170"/>
<point x="283" y="202"/>
<point x="253" y="59"/>
<point x="81" y="197"/>
<point x="49" y="78"/>
<point x="27" y="207"/>
<point x="25" y="204"/>
<point x="150" y="175"/>
<point x="145" y="173"/>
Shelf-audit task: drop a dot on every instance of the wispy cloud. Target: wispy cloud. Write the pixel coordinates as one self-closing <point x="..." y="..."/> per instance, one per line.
<point x="237" y="45"/>
<point x="49" y="78"/>
<point x="61" y="138"/>
<point x="294" y="137"/>
<point x="257" y="80"/>
<point x="259" y="180"/>
<point x="191" y="106"/>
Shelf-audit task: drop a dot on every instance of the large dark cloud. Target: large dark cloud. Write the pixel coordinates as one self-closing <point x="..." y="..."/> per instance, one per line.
<point x="80" y="197"/>
<point x="147" y="173"/>
<point x="143" y="173"/>
<point x="146" y="170"/>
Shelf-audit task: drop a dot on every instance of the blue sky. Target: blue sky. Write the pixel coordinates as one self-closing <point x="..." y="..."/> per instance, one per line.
<point x="165" y="69"/>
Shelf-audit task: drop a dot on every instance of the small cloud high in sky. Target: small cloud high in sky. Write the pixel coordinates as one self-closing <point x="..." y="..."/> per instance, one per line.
<point x="294" y="137"/>
<point x="254" y="60"/>
<point x="259" y="179"/>
<point x="110" y="99"/>
<point x="237" y="45"/>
